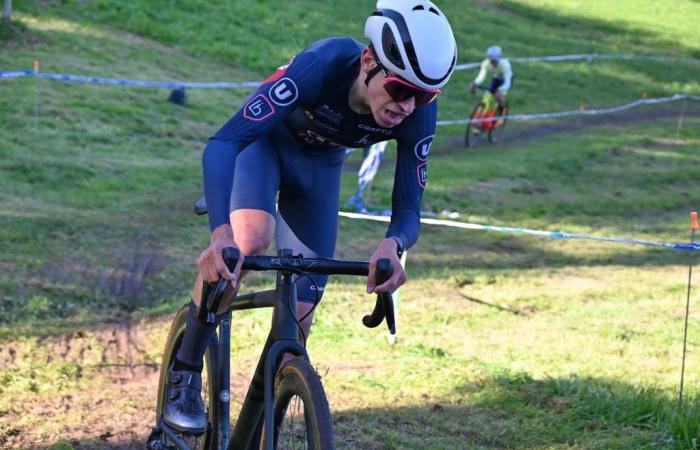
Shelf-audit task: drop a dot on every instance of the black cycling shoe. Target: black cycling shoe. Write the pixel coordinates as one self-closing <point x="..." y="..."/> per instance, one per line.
<point x="184" y="408"/>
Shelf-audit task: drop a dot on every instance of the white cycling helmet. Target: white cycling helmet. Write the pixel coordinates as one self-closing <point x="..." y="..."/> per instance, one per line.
<point x="413" y="39"/>
<point x="494" y="52"/>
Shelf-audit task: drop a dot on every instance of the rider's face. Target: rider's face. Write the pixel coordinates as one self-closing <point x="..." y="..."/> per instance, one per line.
<point x="494" y="62"/>
<point x="386" y="111"/>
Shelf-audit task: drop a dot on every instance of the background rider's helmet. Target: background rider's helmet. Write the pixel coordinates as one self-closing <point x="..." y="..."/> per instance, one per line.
<point x="494" y="53"/>
<point x="413" y="39"/>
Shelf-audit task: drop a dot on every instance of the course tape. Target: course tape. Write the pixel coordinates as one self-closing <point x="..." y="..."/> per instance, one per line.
<point x="121" y="82"/>
<point x="577" y="112"/>
<point x="248" y="84"/>
<point x="587" y="57"/>
<point x="16" y="74"/>
<point x="518" y="230"/>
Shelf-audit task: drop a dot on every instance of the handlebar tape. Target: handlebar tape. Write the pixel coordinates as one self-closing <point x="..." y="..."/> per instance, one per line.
<point x="383" y="273"/>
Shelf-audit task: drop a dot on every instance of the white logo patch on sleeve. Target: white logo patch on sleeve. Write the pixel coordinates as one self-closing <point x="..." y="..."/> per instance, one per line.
<point x="258" y="108"/>
<point x="284" y="92"/>
<point x="422" y="149"/>
<point x="422" y="172"/>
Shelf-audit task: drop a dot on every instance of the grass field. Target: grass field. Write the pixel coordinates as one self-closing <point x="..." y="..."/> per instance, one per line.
<point x="505" y="341"/>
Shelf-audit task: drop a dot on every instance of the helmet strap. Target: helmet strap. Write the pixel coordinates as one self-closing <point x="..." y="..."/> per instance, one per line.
<point x="375" y="70"/>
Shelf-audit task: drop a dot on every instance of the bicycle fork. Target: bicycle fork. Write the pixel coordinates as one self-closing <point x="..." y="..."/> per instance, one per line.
<point x="259" y="401"/>
<point x="224" y="382"/>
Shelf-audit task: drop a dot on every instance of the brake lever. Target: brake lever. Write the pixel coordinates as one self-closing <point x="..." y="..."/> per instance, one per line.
<point x="211" y="294"/>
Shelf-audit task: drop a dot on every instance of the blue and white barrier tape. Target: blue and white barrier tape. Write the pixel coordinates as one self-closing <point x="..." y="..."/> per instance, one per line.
<point x="16" y="74"/>
<point x="517" y="230"/>
<point x="136" y="83"/>
<point x="577" y="112"/>
<point x="585" y="56"/>
<point x="252" y="84"/>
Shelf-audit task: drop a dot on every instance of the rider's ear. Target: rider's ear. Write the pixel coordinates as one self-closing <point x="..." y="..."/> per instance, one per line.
<point x="367" y="61"/>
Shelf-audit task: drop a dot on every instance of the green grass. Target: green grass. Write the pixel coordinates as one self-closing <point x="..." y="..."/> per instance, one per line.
<point x="246" y="34"/>
<point x="505" y="342"/>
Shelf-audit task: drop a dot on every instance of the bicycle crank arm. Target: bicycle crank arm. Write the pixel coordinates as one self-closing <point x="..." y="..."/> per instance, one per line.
<point x="172" y="435"/>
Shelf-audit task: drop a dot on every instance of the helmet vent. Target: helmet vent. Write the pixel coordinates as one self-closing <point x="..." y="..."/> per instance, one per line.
<point x="419" y="7"/>
<point x="391" y="50"/>
<point x="434" y="11"/>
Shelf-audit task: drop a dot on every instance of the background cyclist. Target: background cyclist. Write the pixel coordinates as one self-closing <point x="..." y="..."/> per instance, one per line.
<point x="336" y="93"/>
<point x="501" y="74"/>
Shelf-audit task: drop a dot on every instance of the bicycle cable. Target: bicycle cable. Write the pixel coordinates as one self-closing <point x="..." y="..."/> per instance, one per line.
<point x="294" y="314"/>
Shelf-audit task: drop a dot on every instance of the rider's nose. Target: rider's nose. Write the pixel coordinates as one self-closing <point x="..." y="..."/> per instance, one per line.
<point x="407" y="106"/>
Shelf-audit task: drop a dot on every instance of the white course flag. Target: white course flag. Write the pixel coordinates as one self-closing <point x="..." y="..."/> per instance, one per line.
<point x="368" y="169"/>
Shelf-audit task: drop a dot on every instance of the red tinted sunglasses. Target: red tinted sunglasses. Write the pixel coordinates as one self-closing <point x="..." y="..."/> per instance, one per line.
<point x="401" y="90"/>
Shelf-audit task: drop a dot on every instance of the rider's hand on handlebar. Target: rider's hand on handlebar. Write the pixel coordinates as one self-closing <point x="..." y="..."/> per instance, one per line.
<point x="211" y="263"/>
<point x="386" y="249"/>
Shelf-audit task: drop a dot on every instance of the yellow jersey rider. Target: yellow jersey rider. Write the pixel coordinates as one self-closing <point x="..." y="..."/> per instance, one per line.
<point x="501" y="74"/>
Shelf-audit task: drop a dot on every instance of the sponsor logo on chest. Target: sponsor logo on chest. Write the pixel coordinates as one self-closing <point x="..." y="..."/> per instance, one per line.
<point x="382" y="131"/>
<point x="312" y="138"/>
<point x="329" y="114"/>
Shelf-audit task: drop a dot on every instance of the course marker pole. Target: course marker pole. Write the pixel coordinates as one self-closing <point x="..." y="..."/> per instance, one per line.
<point x="681" y="117"/>
<point x="693" y="227"/>
<point x="36" y="95"/>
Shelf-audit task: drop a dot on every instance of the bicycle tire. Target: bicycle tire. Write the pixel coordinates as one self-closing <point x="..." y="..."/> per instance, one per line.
<point x="211" y="367"/>
<point x="476" y="112"/>
<point x="297" y="379"/>
<point x="501" y="111"/>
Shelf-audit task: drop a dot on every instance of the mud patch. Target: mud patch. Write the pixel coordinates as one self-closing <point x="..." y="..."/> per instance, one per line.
<point x="111" y="376"/>
<point x="97" y="387"/>
<point x="130" y="279"/>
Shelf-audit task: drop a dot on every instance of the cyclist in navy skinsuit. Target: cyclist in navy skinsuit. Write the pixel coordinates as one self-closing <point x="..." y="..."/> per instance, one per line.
<point x="289" y="139"/>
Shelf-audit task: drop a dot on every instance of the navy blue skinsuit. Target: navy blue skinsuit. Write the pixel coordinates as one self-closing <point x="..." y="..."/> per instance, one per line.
<point x="294" y="130"/>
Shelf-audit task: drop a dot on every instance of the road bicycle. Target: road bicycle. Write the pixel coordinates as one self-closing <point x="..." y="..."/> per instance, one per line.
<point x="286" y="406"/>
<point x="487" y="117"/>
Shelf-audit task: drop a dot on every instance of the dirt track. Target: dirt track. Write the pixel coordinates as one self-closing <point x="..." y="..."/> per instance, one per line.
<point x="518" y="133"/>
<point x="113" y="407"/>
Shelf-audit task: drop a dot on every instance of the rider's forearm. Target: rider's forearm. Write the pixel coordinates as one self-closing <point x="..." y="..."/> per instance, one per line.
<point x="481" y="76"/>
<point x="406" y="226"/>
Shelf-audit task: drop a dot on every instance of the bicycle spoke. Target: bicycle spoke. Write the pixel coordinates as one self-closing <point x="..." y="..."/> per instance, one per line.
<point x="295" y="433"/>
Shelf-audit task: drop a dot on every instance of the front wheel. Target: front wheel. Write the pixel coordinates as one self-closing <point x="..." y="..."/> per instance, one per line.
<point x="302" y="416"/>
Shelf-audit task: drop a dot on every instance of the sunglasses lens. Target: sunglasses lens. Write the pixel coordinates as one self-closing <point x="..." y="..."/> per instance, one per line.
<point x="400" y="91"/>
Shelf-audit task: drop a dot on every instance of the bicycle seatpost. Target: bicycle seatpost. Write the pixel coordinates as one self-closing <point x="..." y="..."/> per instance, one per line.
<point x="384" y="307"/>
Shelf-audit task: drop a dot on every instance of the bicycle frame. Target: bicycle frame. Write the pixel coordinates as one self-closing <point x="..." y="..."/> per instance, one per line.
<point x="283" y="338"/>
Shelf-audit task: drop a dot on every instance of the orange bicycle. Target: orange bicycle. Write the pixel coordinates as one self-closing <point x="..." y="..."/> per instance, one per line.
<point x="486" y="118"/>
